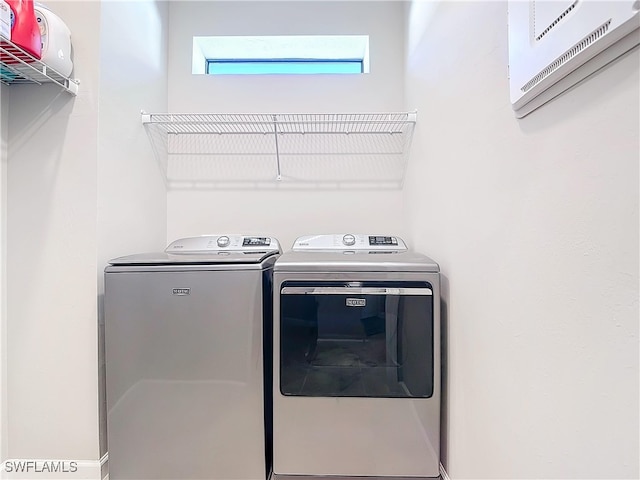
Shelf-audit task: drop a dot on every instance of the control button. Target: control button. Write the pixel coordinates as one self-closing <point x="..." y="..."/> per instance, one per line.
<point x="349" y="240"/>
<point x="223" y="241"/>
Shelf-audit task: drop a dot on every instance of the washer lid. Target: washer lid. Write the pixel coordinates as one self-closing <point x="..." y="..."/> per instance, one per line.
<point x="162" y="258"/>
<point x="354" y="261"/>
<point x="208" y="249"/>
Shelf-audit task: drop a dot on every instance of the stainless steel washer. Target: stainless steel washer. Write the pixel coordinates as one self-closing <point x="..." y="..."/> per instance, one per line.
<point x="185" y="335"/>
<point x="356" y="387"/>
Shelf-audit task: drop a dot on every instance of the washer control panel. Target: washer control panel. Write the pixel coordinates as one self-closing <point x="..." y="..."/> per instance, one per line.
<point x="215" y="243"/>
<point x="350" y="241"/>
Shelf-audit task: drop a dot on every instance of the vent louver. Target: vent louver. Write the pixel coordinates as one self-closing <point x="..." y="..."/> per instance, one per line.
<point x="568" y="55"/>
<point x="557" y="20"/>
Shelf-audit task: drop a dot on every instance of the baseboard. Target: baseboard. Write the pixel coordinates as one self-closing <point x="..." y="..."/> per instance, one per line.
<point x="104" y="467"/>
<point x="443" y="473"/>
<point x="45" y="469"/>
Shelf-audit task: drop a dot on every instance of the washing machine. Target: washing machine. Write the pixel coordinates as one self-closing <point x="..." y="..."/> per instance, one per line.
<point x="185" y="337"/>
<point x="356" y="378"/>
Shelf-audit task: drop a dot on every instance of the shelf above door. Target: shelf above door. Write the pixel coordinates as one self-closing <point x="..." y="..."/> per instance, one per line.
<point x="322" y="150"/>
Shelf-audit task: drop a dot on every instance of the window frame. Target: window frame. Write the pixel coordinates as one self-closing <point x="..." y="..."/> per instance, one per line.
<point x="291" y="51"/>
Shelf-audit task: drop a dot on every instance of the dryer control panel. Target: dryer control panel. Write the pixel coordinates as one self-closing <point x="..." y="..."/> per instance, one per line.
<point x="214" y="243"/>
<point x="350" y="241"/>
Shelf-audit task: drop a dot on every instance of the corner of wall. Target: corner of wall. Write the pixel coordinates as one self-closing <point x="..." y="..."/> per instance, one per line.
<point x="4" y="110"/>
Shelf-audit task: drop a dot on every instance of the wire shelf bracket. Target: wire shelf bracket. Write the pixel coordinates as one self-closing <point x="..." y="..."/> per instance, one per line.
<point x="19" y="67"/>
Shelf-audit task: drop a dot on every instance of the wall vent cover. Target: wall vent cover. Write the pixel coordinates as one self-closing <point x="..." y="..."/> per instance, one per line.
<point x="568" y="55"/>
<point x="554" y="45"/>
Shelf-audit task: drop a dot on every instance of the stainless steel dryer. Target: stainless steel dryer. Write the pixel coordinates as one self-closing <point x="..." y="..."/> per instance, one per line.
<point x="184" y="360"/>
<point x="356" y="360"/>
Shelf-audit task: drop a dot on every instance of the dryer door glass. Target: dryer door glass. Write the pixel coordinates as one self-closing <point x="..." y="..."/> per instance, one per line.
<point x="359" y="339"/>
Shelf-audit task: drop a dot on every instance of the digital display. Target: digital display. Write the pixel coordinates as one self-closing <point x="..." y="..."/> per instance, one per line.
<point x="255" y="241"/>
<point x="383" y="240"/>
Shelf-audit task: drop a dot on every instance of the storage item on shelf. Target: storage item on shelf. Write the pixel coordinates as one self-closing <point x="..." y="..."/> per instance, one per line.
<point x="6" y="75"/>
<point x="56" y="40"/>
<point x="17" y="66"/>
<point x="24" y="29"/>
<point x="5" y="19"/>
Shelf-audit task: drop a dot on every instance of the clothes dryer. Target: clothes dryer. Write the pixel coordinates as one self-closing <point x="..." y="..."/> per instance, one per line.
<point x="356" y="389"/>
<point x="186" y="333"/>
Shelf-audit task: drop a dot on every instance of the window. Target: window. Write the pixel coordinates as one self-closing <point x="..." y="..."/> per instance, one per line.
<point x="244" y="67"/>
<point x="318" y="54"/>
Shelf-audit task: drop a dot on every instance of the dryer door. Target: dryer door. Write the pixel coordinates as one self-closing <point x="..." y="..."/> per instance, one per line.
<point x="356" y="339"/>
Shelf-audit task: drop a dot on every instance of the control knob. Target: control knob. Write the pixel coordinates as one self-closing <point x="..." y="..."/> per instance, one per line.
<point x="223" y="241"/>
<point x="349" y="240"/>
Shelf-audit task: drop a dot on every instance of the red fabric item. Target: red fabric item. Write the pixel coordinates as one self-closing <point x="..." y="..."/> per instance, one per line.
<point x="24" y="29"/>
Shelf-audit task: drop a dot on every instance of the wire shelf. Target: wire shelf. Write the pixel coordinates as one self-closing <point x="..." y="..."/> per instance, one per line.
<point x="18" y="67"/>
<point x="328" y="149"/>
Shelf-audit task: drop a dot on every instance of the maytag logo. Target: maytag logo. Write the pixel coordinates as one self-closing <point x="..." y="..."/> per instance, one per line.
<point x="356" y="302"/>
<point x="182" y="291"/>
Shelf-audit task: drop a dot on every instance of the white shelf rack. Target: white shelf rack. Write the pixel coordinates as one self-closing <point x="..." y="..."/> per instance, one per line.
<point x="330" y="150"/>
<point x="18" y="67"/>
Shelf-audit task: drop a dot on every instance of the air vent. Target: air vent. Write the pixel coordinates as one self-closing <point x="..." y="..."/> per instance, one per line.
<point x="568" y="55"/>
<point x="557" y="20"/>
<point x="553" y="45"/>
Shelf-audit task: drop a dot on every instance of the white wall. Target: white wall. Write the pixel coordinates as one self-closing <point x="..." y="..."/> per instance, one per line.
<point x="133" y="77"/>
<point x="535" y="225"/>
<point x="286" y="214"/>
<point x="83" y="187"/>
<point x="132" y="201"/>
<point x="51" y="257"/>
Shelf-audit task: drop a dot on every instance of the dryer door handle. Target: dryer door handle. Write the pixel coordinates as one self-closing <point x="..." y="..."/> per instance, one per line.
<point x="355" y="290"/>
